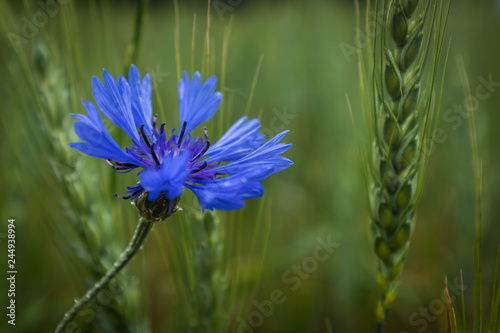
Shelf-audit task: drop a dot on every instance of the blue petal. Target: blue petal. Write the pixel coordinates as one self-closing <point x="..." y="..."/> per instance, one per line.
<point x="98" y="141"/>
<point x="114" y="100"/>
<point x="240" y="140"/>
<point x="228" y="193"/>
<point x="169" y="178"/>
<point x="266" y="156"/>
<point x="197" y="102"/>
<point x="135" y="191"/>
<point x="141" y="100"/>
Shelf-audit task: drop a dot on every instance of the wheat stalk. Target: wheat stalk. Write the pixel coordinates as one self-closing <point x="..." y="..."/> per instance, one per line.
<point x="209" y="279"/>
<point x="402" y="109"/>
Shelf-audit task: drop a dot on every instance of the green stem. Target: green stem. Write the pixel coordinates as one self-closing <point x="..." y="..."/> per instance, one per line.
<point x="141" y="232"/>
<point x="133" y="47"/>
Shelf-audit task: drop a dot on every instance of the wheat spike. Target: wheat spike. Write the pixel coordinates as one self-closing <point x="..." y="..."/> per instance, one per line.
<point x="402" y="100"/>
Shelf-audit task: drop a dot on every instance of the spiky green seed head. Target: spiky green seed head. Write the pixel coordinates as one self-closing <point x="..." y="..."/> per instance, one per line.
<point x="409" y="6"/>
<point x="401" y="237"/>
<point x="411" y="51"/>
<point x="408" y="155"/>
<point x="383" y="251"/>
<point x="402" y="104"/>
<point x="399" y="26"/>
<point x="380" y="312"/>
<point x="390" y="296"/>
<point x="386" y="217"/>
<point x="382" y="282"/>
<point x="397" y="269"/>
<point x="392" y="82"/>
<point x="391" y="132"/>
<point x="410" y="102"/>
<point x="403" y="197"/>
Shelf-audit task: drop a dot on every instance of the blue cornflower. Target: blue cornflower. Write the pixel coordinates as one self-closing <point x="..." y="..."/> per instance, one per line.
<point x="221" y="175"/>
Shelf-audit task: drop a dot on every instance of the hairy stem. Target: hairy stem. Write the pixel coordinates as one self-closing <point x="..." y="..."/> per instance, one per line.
<point x="141" y="232"/>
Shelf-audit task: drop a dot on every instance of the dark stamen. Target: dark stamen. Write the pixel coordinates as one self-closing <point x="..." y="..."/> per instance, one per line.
<point x="125" y="164"/>
<point x="203" y="151"/>
<point x="203" y="166"/>
<point x="154" y="154"/>
<point x="205" y="148"/>
<point x="144" y="137"/>
<point x="136" y="193"/>
<point x="119" y="166"/>
<point x="162" y="128"/>
<point x="120" y="197"/>
<point x="181" y="136"/>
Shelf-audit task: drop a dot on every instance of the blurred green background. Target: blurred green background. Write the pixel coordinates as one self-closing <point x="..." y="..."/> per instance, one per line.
<point x="305" y="75"/>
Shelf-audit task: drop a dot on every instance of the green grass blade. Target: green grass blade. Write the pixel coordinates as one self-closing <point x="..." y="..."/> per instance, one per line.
<point x="254" y="84"/>
<point x="495" y="300"/>
<point x="478" y="190"/>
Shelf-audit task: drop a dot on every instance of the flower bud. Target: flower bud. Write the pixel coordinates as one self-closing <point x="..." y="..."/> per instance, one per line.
<point x="157" y="210"/>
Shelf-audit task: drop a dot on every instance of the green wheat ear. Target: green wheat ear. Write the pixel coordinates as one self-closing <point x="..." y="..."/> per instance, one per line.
<point x="401" y="70"/>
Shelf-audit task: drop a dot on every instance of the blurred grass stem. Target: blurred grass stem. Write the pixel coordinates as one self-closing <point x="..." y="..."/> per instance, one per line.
<point x="133" y="47"/>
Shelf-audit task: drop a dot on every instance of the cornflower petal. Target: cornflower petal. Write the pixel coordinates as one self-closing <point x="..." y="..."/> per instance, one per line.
<point x="99" y="142"/>
<point x="140" y="93"/>
<point x="114" y="101"/>
<point x="241" y="139"/>
<point x="228" y="193"/>
<point x="197" y="102"/>
<point x="266" y="156"/>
